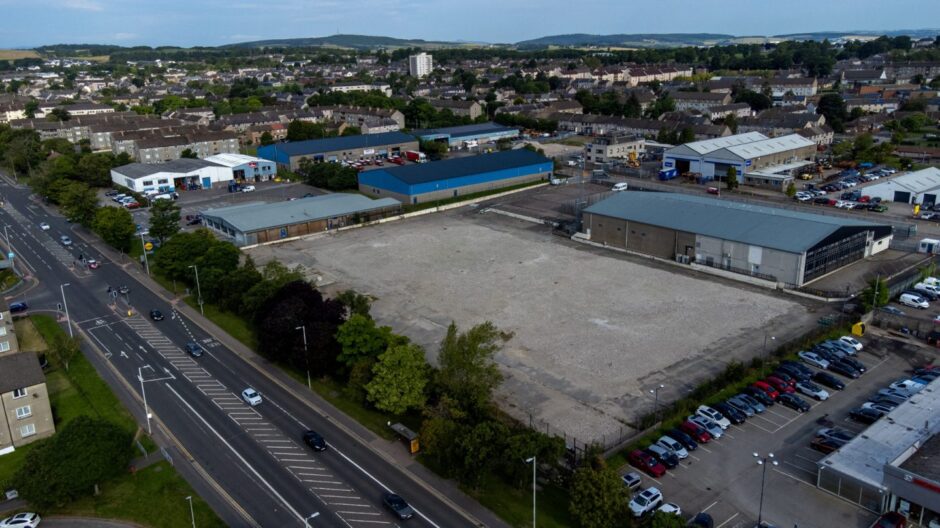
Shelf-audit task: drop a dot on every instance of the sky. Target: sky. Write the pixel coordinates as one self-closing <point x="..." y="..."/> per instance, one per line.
<point x="32" y="23"/>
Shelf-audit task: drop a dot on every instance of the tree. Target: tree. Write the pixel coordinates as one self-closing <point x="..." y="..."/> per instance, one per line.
<point x="666" y="520"/>
<point x="64" y="349"/>
<point x="791" y="190"/>
<point x="434" y="149"/>
<point x="480" y="448"/>
<point x="84" y="453"/>
<point x="79" y="203"/>
<point x="731" y="178"/>
<point x="360" y="338"/>
<point x="598" y="499"/>
<point x="181" y="251"/>
<point x="59" y="114"/>
<point x="95" y="169"/>
<point x="355" y="302"/>
<point x="266" y="138"/>
<point x="757" y="101"/>
<point x="115" y="225"/>
<point x="467" y="372"/>
<point x="523" y="443"/>
<point x="832" y="106"/>
<point x="399" y="379"/>
<point x="188" y="153"/>
<point x="164" y="219"/>
<point x="303" y="130"/>
<point x="876" y="294"/>
<point x="687" y="135"/>
<point x="332" y="176"/>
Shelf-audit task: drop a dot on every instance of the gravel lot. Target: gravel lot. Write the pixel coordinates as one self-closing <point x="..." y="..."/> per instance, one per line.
<point x="594" y="330"/>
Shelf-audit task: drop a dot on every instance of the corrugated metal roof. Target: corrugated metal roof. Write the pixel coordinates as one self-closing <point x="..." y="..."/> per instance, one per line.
<point x="465" y="130"/>
<point x="916" y="182"/>
<point x="256" y="215"/>
<point x="758" y="225"/>
<point x="233" y="160"/>
<point x="181" y="166"/>
<point x="465" y="166"/>
<point x="766" y="147"/>
<point x="710" y="145"/>
<point x="314" y="146"/>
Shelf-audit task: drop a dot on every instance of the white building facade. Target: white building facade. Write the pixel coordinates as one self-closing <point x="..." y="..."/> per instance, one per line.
<point x="420" y="65"/>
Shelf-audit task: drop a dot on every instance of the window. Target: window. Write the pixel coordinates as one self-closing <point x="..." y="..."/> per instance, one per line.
<point x="147" y="183"/>
<point x="4" y="346"/>
<point x="163" y="181"/>
<point x="23" y="412"/>
<point x="3" y="330"/>
<point x="28" y="430"/>
<point x="19" y="393"/>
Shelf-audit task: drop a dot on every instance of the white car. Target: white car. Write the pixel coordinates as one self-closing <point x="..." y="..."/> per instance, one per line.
<point x="21" y="520"/>
<point x="251" y="396"/>
<point x="854" y="343"/>
<point x="670" y="444"/>
<point x="44" y="226"/>
<point x="622" y="186"/>
<point x="645" y="501"/>
<point x="248" y="188"/>
<point x="907" y="386"/>
<point x="814" y="359"/>
<point x="812" y="390"/>
<point x="708" y="424"/>
<point x="670" y="507"/>
<point x="713" y="415"/>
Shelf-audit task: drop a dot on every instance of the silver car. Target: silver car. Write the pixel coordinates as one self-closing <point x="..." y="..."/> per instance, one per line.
<point x="713" y="428"/>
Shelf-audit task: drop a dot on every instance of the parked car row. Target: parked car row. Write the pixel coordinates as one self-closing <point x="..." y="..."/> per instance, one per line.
<point x="887" y="399"/>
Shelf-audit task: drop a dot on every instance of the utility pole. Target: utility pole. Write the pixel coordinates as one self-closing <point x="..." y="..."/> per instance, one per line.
<point x="655" y="393"/>
<point x="762" y="461"/>
<point x="534" y="463"/>
<point x="10" y="247"/>
<point x="192" y="514"/>
<point x="198" y="289"/>
<point x="68" y="320"/>
<point x="303" y="329"/>
<point x="143" y="247"/>
<point x="143" y="393"/>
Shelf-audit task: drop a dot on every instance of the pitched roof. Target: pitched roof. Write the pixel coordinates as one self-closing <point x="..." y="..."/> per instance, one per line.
<point x="458" y="167"/>
<point x="464" y="130"/>
<point x="313" y="146"/>
<point x="758" y="225"/>
<point x="256" y="216"/>
<point x="20" y="370"/>
<point x="766" y="147"/>
<point x="706" y="146"/>
<point x="182" y="165"/>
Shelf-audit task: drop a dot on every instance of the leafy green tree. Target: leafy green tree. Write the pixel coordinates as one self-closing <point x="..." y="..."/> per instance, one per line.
<point x="31" y="106"/>
<point x="333" y="176"/>
<point x="303" y="130"/>
<point x="232" y="290"/>
<point x="832" y="106"/>
<point x="399" y="379"/>
<point x="731" y="178"/>
<point x="188" y="153"/>
<point x="467" y="373"/>
<point x="791" y="190"/>
<point x="876" y="294"/>
<point x="79" y="203"/>
<point x="598" y="499"/>
<point x="756" y="100"/>
<point x="115" y="225"/>
<point x="164" y="219"/>
<point x="522" y="444"/>
<point x="64" y="349"/>
<point x="687" y="135"/>
<point x="481" y="447"/>
<point x="360" y="338"/>
<point x="434" y="149"/>
<point x="223" y="256"/>
<point x="666" y="520"/>
<point x="181" y="251"/>
<point x="59" y="114"/>
<point x="266" y="138"/>
<point x="355" y="302"/>
<point x="95" y="169"/>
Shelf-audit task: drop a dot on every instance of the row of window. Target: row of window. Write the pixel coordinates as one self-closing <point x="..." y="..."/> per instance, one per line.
<point x="149" y="183"/>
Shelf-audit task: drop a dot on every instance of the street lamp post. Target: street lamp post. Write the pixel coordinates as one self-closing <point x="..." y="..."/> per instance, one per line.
<point x="763" y="461"/>
<point x="655" y="393"/>
<point x="10" y="247"/>
<point x="313" y="515"/>
<point x="763" y="362"/>
<point x="143" y="247"/>
<point x="65" y="305"/>
<point x="534" y="463"/>
<point x="198" y="289"/>
<point x="143" y="393"/>
<point x="192" y="514"/>
<point x="303" y="329"/>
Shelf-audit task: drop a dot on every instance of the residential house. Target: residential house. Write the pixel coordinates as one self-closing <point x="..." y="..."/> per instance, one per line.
<point x="700" y="101"/>
<point x="24" y="401"/>
<point x="469" y="109"/>
<point x="782" y="86"/>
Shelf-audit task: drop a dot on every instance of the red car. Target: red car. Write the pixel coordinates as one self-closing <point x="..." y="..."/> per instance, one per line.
<point x="780" y="385"/>
<point x="132" y="205"/>
<point x="696" y="431"/>
<point x="713" y="190"/>
<point x="644" y="462"/>
<point x="396" y="160"/>
<point x="768" y="390"/>
<point x="891" y="520"/>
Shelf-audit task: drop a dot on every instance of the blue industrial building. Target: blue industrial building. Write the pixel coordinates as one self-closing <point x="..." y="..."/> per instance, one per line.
<point x="439" y="180"/>
<point x="468" y="136"/>
<point x="343" y="148"/>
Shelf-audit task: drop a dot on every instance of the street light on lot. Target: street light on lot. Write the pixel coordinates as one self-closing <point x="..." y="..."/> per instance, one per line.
<point x="655" y="393"/>
<point x="143" y="247"/>
<point x="198" y="289"/>
<point x="534" y="463"/>
<point x="65" y="305"/>
<point x="763" y="461"/>
<point x="192" y="514"/>
<point x="143" y="393"/>
<point x="763" y="362"/>
<point x="313" y="515"/>
<point x="303" y="329"/>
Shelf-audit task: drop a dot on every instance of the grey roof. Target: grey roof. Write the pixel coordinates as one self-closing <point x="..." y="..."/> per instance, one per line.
<point x="759" y="225"/>
<point x="315" y="146"/>
<point x="182" y="165"/>
<point x="465" y="166"/>
<point x="256" y="216"/>
<point x="20" y="370"/>
<point x="465" y="130"/>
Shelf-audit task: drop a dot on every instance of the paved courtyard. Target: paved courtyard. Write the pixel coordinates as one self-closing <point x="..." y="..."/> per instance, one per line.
<point x="593" y="330"/>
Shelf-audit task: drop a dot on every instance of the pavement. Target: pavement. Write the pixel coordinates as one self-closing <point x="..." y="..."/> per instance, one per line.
<point x="247" y="462"/>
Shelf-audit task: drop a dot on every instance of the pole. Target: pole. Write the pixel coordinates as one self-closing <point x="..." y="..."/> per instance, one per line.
<point x="144" y="248"/>
<point x="534" y="465"/>
<point x="192" y="514"/>
<point x="143" y="393"/>
<point x="303" y="329"/>
<point x="198" y="289"/>
<point x="65" y="305"/>
<point x="10" y="247"/>
<point x="762" y="461"/>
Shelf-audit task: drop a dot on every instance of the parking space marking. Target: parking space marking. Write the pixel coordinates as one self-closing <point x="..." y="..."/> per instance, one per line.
<point x="729" y="520"/>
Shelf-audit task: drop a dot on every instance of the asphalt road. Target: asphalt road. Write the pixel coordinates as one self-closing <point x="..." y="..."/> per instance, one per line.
<point x="253" y="453"/>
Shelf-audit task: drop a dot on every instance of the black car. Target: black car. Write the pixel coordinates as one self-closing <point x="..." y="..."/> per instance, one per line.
<point x="194" y="349"/>
<point x="702" y="520"/>
<point x="759" y="395"/>
<point x="821" y="200"/>
<point x="667" y="459"/>
<point x="793" y="372"/>
<point x="18" y="307"/>
<point x="314" y="440"/>
<point x="854" y="363"/>
<point x="679" y="436"/>
<point x="793" y="401"/>
<point x="795" y="365"/>
<point x="156" y="315"/>
<point x="733" y="415"/>
<point x="840" y="367"/>
<point x="828" y="380"/>
<point x="111" y="193"/>
<point x="398" y="506"/>
<point x="784" y="376"/>
<point x="865" y="416"/>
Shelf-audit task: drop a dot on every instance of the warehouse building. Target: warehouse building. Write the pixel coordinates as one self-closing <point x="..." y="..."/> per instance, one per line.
<point x="439" y="180"/>
<point x="786" y="247"/>
<point x="894" y="466"/>
<point x="468" y="136"/>
<point x="263" y="223"/>
<point x="246" y="168"/>
<point x="920" y="187"/>
<point x="343" y="148"/>
<point x="757" y="159"/>
<point x="179" y="174"/>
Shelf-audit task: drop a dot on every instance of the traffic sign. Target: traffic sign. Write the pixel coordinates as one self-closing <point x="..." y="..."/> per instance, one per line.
<point x="148" y="246"/>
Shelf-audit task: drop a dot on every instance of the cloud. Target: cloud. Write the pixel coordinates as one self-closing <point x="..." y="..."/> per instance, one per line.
<point x="84" y="5"/>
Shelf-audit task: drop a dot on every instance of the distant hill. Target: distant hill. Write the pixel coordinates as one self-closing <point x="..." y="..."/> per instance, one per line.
<point x="831" y="35"/>
<point x="345" y="41"/>
<point x="638" y="40"/>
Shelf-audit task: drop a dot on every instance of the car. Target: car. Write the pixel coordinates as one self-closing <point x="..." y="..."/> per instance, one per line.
<point x="758" y="406"/>
<point x="124" y="290"/>
<point x="696" y="431"/>
<point x="891" y="520"/>
<point x="646" y="463"/>
<point x="156" y="315"/>
<point x="796" y="374"/>
<point x="835" y="433"/>
<point x="66" y="241"/>
<point x="740" y="405"/>
<point x="44" y="226"/>
<point x="21" y="520"/>
<point x="781" y="386"/>
<point x="118" y="197"/>
<point x="865" y="415"/>
<point x="251" y="396"/>
<point x="883" y="407"/>
<point x="194" y="349"/>
<point x="907" y="386"/>
<point x="840" y="367"/>
<point x="645" y="501"/>
<point x="687" y="441"/>
<point x="822" y="200"/>
<point x="733" y="415"/>
<point x="803" y="197"/>
<point x="854" y="363"/>
<point x="248" y="188"/>
<point x="314" y="440"/>
<point x="825" y="445"/>
<point x="17" y="307"/>
<point x="888" y="399"/>
<point x="622" y="186"/>
<point x="794" y="402"/>
<point x="673" y="446"/>
<point x="93" y="264"/>
<point x="663" y="455"/>
<point x="760" y="394"/>
<point x="769" y="390"/>
<point x="785" y="377"/>
<point x="713" y="190"/>
<point x="632" y="480"/>
<point x="877" y="207"/>
<point x="398" y="506"/>
<point x="715" y="430"/>
<point x="670" y="507"/>
<point x="927" y="376"/>
<point x="132" y="205"/>
<point x="828" y="352"/>
<point x="713" y="415"/>
<point x="798" y="366"/>
<point x="701" y="520"/>
<point x="111" y="193"/>
<point x="811" y="389"/>
<point x="845" y="346"/>
<point x="828" y="380"/>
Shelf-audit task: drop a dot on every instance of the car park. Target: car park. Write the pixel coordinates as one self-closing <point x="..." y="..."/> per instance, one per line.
<point x="825" y="445"/>
<point x="645" y="501"/>
<point x="646" y="463"/>
<point x="680" y="436"/>
<point x="794" y="402"/>
<point x="828" y="380"/>
<point x="663" y="455"/>
<point x="865" y="415"/>
<point x="762" y="392"/>
<point x="21" y="520"/>
<point x="714" y="429"/>
<point x="156" y="315"/>
<point x="750" y="400"/>
<point x="251" y="396"/>
<point x="673" y="446"/>
<point x="812" y="390"/>
<point x="398" y="506"/>
<point x="695" y="431"/>
<point x="741" y="406"/>
<point x="713" y="415"/>
<point x="631" y="480"/>
<point x="733" y="415"/>
<point x="314" y="440"/>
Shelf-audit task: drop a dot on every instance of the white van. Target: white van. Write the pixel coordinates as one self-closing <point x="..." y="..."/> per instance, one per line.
<point x="161" y="197"/>
<point x="922" y="286"/>
<point x="914" y="301"/>
<point x="931" y="281"/>
<point x="151" y="192"/>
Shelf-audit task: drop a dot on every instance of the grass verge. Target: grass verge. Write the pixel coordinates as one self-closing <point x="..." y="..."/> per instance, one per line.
<point x="234" y="325"/>
<point x="515" y="506"/>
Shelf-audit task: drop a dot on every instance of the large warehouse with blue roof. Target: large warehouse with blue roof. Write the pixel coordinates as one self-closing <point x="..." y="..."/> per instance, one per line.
<point x="343" y="148"/>
<point x="440" y="180"/>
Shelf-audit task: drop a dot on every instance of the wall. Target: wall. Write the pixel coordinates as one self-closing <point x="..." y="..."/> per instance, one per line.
<point x="451" y="192"/>
<point x="780" y="264"/>
<point x="606" y="230"/>
<point x="38" y="399"/>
